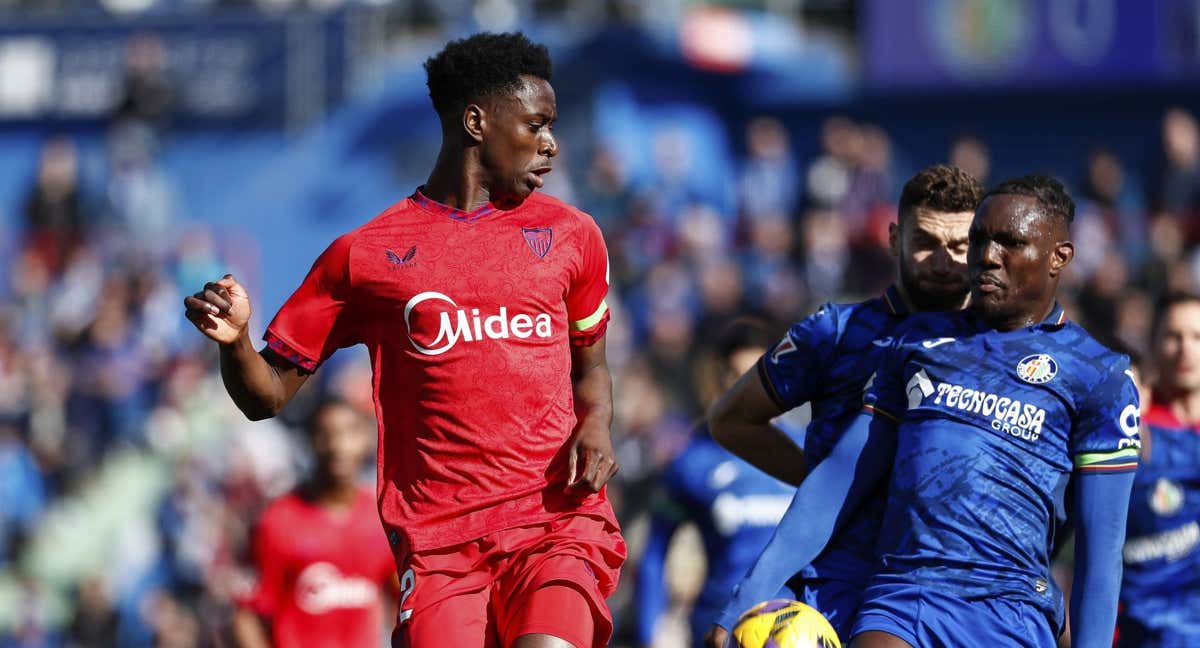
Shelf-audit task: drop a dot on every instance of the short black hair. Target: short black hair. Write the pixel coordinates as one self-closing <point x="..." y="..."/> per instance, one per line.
<point x="943" y="188"/>
<point x="327" y="403"/>
<point x="743" y="333"/>
<point x="1136" y="361"/>
<point x="1169" y="301"/>
<point x="483" y="65"/>
<point x="1045" y="189"/>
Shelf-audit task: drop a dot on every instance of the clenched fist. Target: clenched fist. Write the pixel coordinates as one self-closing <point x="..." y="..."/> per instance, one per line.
<point x="221" y="310"/>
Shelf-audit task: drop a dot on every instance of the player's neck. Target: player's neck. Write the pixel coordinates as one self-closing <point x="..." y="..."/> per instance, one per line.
<point x="933" y="306"/>
<point x="334" y="494"/>
<point x="1023" y="320"/>
<point x="1185" y="405"/>
<point x="456" y="182"/>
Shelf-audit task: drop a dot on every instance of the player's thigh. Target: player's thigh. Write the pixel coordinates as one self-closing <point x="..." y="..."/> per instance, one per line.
<point x="541" y="641"/>
<point x="581" y="557"/>
<point x="445" y="598"/>
<point x="878" y="639"/>
<point x="554" y="616"/>
<point x="463" y="620"/>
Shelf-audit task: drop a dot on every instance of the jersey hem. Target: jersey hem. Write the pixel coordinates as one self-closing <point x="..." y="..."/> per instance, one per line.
<point x="436" y="537"/>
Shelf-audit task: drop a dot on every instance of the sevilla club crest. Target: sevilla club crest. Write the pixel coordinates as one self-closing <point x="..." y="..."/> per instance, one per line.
<point x="539" y="239"/>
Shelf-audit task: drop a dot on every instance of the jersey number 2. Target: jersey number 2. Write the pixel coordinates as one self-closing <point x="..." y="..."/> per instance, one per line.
<point x="407" y="582"/>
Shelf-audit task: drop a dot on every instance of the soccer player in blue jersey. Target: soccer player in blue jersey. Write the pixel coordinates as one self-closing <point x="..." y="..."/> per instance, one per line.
<point x="735" y="505"/>
<point x="983" y="418"/>
<point x="1160" y="592"/>
<point x="826" y="360"/>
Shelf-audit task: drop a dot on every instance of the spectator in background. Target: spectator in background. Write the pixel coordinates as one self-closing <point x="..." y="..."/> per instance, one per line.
<point x="606" y="189"/>
<point x="22" y="491"/>
<point x="735" y="505"/>
<point x="147" y="95"/>
<point x="827" y="179"/>
<point x="970" y="154"/>
<point x="1110" y="205"/>
<point x="95" y="621"/>
<point x="311" y="591"/>
<point x="767" y="182"/>
<point x="853" y="177"/>
<point x="140" y="194"/>
<point x="109" y="395"/>
<point x="54" y="213"/>
<point x="1178" y="187"/>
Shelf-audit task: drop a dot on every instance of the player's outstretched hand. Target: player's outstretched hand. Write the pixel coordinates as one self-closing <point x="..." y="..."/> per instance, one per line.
<point x="716" y="637"/>
<point x="221" y="310"/>
<point x="591" y="462"/>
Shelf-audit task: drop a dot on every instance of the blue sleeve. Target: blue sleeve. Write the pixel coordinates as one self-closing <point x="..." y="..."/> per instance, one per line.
<point x="794" y="370"/>
<point x="887" y="392"/>
<point x="822" y="504"/>
<point x="1105" y="437"/>
<point x="1101" y="505"/>
<point x="650" y="596"/>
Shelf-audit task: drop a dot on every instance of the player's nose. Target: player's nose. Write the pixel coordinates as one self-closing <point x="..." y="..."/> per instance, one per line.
<point x="989" y="255"/>
<point x="548" y="146"/>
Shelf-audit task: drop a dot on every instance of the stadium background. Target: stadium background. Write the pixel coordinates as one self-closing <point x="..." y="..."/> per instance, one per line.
<point x="741" y="157"/>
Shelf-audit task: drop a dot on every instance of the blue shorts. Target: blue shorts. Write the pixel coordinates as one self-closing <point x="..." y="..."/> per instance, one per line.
<point x="836" y="600"/>
<point x="929" y="618"/>
<point x="1160" y="621"/>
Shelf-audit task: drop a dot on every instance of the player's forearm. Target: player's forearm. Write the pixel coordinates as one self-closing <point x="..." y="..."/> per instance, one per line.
<point x="1101" y="505"/>
<point x="761" y="444"/>
<point x="248" y="630"/>
<point x="252" y="383"/>
<point x="592" y="387"/>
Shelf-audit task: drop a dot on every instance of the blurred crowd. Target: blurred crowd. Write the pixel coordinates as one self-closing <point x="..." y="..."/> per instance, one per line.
<point x="128" y="481"/>
<point x="441" y="12"/>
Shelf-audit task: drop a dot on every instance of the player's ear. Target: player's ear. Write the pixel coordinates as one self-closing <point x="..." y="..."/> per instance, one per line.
<point x="894" y="238"/>
<point x="474" y="121"/>
<point x="1062" y="254"/>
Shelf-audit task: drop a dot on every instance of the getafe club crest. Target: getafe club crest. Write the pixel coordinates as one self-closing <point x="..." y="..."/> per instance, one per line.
<point x="539" y="239"/>
<point x="1167" y="497"/>
<point x="1037" y="369"/>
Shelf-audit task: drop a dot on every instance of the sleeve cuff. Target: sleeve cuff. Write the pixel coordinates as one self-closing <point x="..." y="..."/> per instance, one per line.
<point x="1123" y="460"/>
<point x="769" y="386"/>
<point x="874" y="409"/>
<point x="289" y="353"/>
<point x="592" y="335"/>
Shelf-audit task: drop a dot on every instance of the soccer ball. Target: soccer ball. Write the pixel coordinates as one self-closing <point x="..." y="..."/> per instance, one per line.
<point x="784" y="624"/>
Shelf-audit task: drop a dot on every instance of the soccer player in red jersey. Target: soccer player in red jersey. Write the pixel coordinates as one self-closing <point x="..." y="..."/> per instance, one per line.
<point x="324" y="565"/>
<point x="482" y="305"/>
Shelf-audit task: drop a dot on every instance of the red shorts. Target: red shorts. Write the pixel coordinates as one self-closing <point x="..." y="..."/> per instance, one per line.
<point x="550" y="578"/>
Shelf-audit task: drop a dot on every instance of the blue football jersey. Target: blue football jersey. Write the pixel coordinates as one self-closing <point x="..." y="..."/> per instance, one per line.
<point x="991" y="426"/>
<point x="736" y="507"/>
<point x="827" y="359"/>
<point x="1162" y="540"/>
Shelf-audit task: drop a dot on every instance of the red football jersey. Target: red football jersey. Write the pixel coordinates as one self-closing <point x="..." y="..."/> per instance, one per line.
<point x="469" y="318"/>
<point x="321" y="573"/>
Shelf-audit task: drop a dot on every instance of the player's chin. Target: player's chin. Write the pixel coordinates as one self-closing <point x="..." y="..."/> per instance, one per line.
<point x="989" y="303"/>
<point x="515" y="194"/>
<point x="938" y="292"/>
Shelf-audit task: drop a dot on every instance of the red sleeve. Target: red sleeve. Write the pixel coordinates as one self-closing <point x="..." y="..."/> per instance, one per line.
<point x="586" y="308"/>
<point x="269" y="568"/>
<point x="317" y="319"/>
